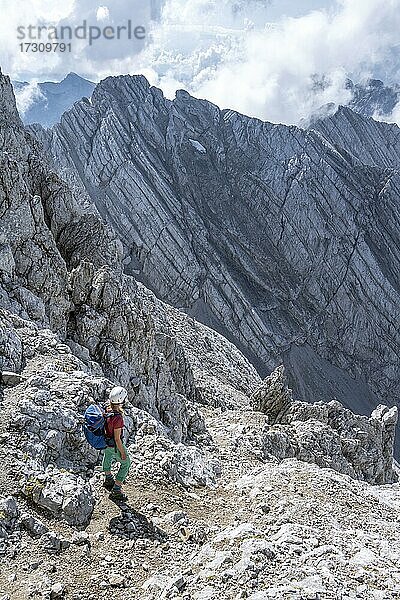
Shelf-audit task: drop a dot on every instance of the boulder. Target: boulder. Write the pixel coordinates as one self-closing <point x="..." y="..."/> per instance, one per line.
<point x="64" y="495"/>
<point x="273" y="397"/>
<point x="8" y="515"/>
<point x="33" y="526"/>
<point x="10" y="379"/>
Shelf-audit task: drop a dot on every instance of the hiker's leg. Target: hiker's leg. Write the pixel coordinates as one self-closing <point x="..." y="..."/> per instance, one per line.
<point x="123" y="469"/>
<point x="108" y="456"/>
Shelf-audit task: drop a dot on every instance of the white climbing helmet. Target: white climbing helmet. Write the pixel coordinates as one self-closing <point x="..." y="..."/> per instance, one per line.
<point x="118" y="395"/>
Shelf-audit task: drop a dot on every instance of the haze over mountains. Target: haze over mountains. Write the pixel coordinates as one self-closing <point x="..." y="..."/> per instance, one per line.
<point x="45" y="102"/>
<point x="283" y="239"/>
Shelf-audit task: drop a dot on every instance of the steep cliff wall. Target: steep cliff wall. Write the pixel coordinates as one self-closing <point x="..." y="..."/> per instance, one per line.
<point x="281" y="238"/>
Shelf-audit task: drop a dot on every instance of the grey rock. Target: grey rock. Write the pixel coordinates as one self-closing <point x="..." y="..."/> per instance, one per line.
<point x="190" y="467"/>
<point x="54" y="543"/>
<point x="11" y="347"/>
<point x="111" y="321"/>
<point x="10" y="379"/>
<point x="297" y="265"/>
<point x="57" y="590"/>
<point x="80" y="538"/>
<point x="62" y="494"/>
<point x="273" y="397"/>
<point x="178" y="582"/>
<point x="177" y="516"/>
<point x="187" y="465"/>
<point x="116" y="580"/>
<point x="327" y="433"/>
<point x="8" y="515"/>
<point x="34" y="526"/>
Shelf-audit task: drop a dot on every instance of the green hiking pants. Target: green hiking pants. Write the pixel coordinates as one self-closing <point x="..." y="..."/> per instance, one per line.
<point x="111" y="455"/>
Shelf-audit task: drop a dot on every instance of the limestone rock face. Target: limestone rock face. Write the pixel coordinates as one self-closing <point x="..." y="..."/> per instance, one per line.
<point x="327" y="433"/>
<point x="204" y="365"/>
<point x="282" y="239"/>
<point x="77" y="288"/>
<point x="45" y="228"/>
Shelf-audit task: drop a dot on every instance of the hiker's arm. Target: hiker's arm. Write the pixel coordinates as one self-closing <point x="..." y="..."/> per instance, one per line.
<point x="118" y="442"/>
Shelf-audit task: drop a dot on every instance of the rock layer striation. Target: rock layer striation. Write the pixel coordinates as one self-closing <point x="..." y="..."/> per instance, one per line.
<point x="283" y="239"/>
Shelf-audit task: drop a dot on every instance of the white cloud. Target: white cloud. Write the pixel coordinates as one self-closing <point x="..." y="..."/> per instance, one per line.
<point x="102" y="13"/>
<point x="26" y="96"/>
<point x="101" y="56"/>
<point x="228" y="51"/>
<point x="269" y="71"/>
<point x="393" y="117"/>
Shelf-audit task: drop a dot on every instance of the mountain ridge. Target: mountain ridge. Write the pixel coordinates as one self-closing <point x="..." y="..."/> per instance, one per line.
<point x="369" y="98"/>
<point x="232" y="213"/>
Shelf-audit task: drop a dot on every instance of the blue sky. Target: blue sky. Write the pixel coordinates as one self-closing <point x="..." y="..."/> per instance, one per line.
<point x="261" y="57"/>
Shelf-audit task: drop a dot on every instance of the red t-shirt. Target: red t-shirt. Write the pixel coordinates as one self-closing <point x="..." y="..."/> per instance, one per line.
<point x="116" y="421"/>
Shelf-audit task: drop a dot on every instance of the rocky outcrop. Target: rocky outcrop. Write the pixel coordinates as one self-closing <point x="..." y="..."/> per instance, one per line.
<point x="373" y="143"/>
<point x="327" y="433"/>
<point x="46" y="229"/>
<point x="219" y="374"/>
<point x="273" y="235"/>
<point x="63" y="495"/>
<point x="273" y="397"/>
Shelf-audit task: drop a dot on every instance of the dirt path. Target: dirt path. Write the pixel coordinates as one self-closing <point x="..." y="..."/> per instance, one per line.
<point x="155" y="544"/>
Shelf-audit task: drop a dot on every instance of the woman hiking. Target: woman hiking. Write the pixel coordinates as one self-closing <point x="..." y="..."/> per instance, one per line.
<point x="116" y="451"/>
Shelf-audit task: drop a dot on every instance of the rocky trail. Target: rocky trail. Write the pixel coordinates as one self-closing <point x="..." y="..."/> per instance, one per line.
<point x="264" y="530"/>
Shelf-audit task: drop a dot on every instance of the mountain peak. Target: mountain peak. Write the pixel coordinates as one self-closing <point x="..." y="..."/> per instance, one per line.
<point x="8" y="108"/>
<point x="50" y="99"/>
<point x="124" y="83"/>
<point x="126" y="89"/>
<point x="75" y="78"/>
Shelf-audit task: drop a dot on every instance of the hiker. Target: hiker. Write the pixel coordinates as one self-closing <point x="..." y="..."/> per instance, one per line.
<point x="116" y="450"/>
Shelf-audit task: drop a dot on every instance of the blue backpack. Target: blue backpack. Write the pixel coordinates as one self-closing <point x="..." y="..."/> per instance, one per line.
<point x="93" y="428"/>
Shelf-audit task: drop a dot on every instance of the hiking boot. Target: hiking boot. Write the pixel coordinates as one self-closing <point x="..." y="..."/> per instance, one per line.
<point x="117" y="494"/>
<point x="108" y="483"/>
